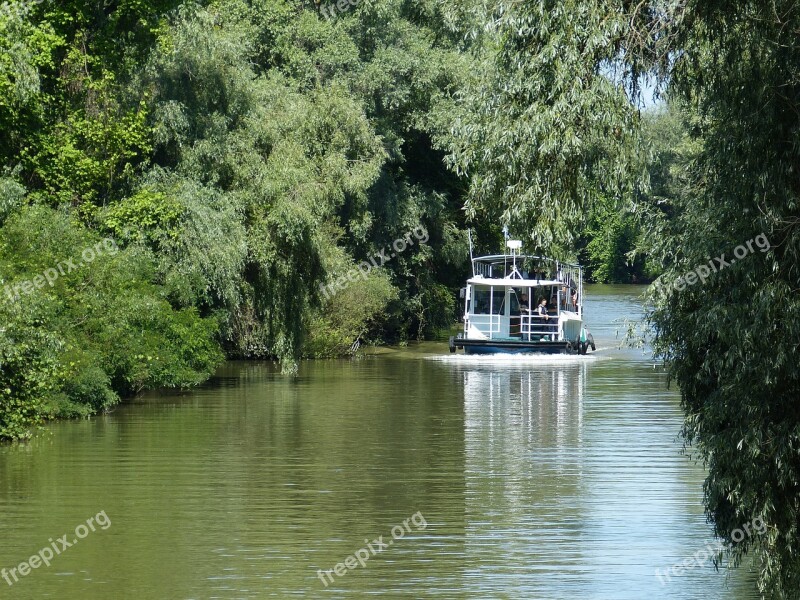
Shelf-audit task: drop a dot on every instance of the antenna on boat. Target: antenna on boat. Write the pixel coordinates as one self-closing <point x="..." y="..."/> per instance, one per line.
<point x="505" y="238"/>
<point x="471" y="258"/>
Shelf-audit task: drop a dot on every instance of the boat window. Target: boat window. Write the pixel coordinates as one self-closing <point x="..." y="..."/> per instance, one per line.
<point x="480" y="301"/>
<point x="499" y="301"/>
<point x="514" y="303"/>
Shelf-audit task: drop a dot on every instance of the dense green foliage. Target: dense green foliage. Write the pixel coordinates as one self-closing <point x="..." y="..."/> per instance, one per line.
<point x="731" y="342"/>
<point x="241" y="155"/>
<point x="608" y="246"/>
<point x="613" y="244"/>
<point x="101" y="329"/>
<point x="542" y="130"/>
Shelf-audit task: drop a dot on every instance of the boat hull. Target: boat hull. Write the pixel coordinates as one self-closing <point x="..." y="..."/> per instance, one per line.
<point x="512" y="346"/>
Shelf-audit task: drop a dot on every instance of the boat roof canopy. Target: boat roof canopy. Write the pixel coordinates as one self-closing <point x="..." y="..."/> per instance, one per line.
<point x="512" y="282"/>
<point x="505" y="258"/>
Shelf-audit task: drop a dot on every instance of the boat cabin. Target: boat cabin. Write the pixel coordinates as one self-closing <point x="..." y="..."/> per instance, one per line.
<point x="518" y="302"/>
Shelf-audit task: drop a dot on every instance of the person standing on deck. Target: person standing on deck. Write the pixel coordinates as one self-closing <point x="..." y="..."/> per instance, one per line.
<point x="542" y="310"/>
<point x="524" y="305"/>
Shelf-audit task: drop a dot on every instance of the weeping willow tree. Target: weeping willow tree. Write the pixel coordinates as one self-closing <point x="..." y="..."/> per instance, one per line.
<point x="550" y="124"/>
<point x="256" y="168"/>
<point x="732" y="341"/>
<point x="545" y="127"/>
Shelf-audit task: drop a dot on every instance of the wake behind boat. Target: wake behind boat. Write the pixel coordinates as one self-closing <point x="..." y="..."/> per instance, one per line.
<point x="516" y="303"/>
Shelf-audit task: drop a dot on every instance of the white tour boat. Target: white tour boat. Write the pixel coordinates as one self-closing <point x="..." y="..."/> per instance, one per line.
<point x="516" y="303"/>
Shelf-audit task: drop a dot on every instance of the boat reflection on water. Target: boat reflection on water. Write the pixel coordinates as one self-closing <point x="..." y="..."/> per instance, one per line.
<point x="531" y="405"/>
<point x="524" y="427"/>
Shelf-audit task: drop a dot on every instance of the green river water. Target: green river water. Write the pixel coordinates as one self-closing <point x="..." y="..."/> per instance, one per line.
<point x="517" y="477"/>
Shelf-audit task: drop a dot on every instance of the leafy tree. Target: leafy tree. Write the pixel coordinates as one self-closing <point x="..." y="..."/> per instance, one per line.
<point x="545" y="127"/>
<point x="231" y="148"/>
<point x="730" y="342"/>
<point x="28" y="372"/>
<point x="350" y="315"/>
<point x="95" y="329"/>
<point x="616" y="242"/>
<point x="613" y="235"/>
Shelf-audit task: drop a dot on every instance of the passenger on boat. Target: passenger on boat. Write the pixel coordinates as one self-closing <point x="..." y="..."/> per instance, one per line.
<point x="523" y="303"/>
<point x="542" y="310"/>
<point x="575" y="300"/>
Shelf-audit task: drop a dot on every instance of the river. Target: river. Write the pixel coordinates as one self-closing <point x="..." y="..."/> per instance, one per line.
<point x="441" y="476"/>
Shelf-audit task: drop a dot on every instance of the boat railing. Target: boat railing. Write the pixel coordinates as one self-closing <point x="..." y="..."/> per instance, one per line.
<point x="487" y="324"/>
<point x="532" y="326"/>
<point x="481" y="269"/>
<point x="572" y="278"/>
